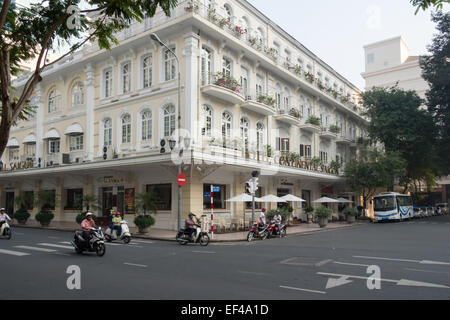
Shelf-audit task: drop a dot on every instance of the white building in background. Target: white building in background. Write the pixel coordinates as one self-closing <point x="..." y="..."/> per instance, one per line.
<point x="102" y="116"/>
<point x="389" y="62"/>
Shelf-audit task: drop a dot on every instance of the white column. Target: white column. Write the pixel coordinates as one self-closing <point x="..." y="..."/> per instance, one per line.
<point x="89" y="136"/>
<point x="40" y="147"/>
<point x="191" y="52"/>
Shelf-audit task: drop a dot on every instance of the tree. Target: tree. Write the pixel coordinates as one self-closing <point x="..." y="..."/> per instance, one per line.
<point x="373" y="170"/>
<point x="27" y="33"/>
<point x="146" y="202"/>
<point x="398" y="121"/>
<point x="436" y="71"/>
<point x="425" y="4"/>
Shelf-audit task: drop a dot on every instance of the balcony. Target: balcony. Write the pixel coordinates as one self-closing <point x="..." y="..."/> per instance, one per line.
<point x="343" y="140"/>
<point x="311" y="125"/>
<point x="291" y="117"/>
<point x="327" y="134"/>
<point x="224" y="88"/>
<point x="260" y="105"/>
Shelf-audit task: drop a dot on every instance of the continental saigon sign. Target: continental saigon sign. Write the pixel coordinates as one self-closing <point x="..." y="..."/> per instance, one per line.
<point x="306" y="165"/>
<point x="19" y="165"/>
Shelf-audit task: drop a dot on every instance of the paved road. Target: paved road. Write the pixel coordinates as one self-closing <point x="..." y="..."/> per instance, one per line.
<point x="413" y="257"/>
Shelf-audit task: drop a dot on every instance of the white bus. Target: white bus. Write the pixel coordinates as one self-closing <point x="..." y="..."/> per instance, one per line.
<point x="392" y="206"/>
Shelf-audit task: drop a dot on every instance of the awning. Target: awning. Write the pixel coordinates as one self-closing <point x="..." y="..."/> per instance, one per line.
<point x="13" y="143"/>
<point x="74" y="130"/>
<point x="52" y="135"/>
<point x="30" y="139"/>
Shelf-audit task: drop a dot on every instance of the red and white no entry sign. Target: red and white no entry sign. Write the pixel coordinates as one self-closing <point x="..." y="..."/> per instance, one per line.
<point x="181" y="180"/>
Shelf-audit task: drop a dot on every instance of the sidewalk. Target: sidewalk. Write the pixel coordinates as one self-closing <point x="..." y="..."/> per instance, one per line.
<point x="169" y="235"/>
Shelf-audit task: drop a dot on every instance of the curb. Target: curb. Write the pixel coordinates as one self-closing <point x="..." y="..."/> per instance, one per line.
<point x="137" y="236"/>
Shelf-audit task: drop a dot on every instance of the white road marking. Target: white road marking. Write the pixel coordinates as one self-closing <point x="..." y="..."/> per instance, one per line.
<point x="324" y="262"/>
<point x="14" y="253"/>
<point x="332" y="283"/>
<point x="35" y="249"/>
<point x="141" y="241"/>
<point x="300" y="289"/>
<point x="427" y="271"/>
<point x="254" y="273"/>
<point x="208" y="252"/>
<point x="402" y="282"/>
<point x="352" y="264"/>
<point x="65" y="242"/>
<point x="54" y="245"/>
<point x="113" y="244"/>
<point x="405" y="260"/>
<point x="135" y="265"/>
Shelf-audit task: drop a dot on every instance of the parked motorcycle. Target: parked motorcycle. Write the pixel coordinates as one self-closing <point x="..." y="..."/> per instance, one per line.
<point x="95" y="244"/>
<point x="125" y="235"/>
<point x="5" y="231"/>
<point x="274" y="230"/>
<point x="201" y="237"/>
<point x="258" y="231"/>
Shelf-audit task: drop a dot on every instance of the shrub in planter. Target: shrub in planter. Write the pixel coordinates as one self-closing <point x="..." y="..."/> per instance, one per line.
<point x="323" y="214"/>
<point x="82" y="216"/>
<point x="21" y="216"/>
<point x="350" y="213"/>
<point x="143" y="222"/>
<point x="44" y="217"/>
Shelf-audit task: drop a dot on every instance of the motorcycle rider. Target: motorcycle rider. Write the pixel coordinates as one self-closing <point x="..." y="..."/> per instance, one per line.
<point x="278" y="220"/>
<point x="116" y="224"/>
<point x="3" y="217"/>
<point x="262" y="218"/>
<point x="190" y="225"/>
<point x="86" y="226"/>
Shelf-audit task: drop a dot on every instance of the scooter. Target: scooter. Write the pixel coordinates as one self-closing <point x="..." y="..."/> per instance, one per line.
<point x="5" y="230"/>
<point x="125" y="235"/>
<point x="201" y="237"/>
<point x="258" y="232"/>
<point x="96" y="242"/>
<point x="275" y="231"/>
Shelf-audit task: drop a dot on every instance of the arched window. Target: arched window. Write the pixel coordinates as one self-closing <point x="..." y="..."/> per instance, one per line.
<point x="244" y="81"/>
<point x="206" y="120"/>
<point x="226" y="67"/>
<point x="126" y="77"/>
<point x="107" y="132"/>
<point x="77" y="94"/>
<point x="260" y="133"/>
<point x="54" y="100"/>
<point x="245" y="127"/>
<point x="228" y="12"/>
<point x="170" y="64"/>
<point x="107" y="83"/>
<point x="206" y="65"/>
<point x="227" y="121"/>
<point x="147" y="128"/>
<point x="126" y="128"/>
<point x="169" y="120"/>
<point x="147" y="70"/>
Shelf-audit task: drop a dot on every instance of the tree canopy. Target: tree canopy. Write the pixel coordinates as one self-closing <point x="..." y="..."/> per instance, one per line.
<point x="425" y="4"/>
<point x="46" y="25"/>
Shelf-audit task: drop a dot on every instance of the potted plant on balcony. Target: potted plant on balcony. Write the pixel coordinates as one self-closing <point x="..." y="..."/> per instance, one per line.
<point x="295" y="113"/>
<point x="239" y="31"/>
<point x="323" y="214"/>
<point x="310" y="77"/>
<point x="145" y="205"/>
<point x="46" y="200"/>
<point x="227" y="82"/>
<point x="298" y="70"/>
<point x="351" y="213"/>
<point x="335" y="129"/>
<point x="314" y="120"/>
<point x="192" y="6"/>
<point x="335" y="166"/>
<point x="316" y="162"/>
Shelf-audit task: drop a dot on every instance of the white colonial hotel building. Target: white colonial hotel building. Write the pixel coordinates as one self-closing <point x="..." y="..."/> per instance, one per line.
<point x="124" y="102"/>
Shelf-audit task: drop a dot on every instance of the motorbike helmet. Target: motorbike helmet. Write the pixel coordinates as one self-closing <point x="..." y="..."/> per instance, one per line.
<point x="2" y="209"/>
<point x="117" y="213"/>
<point x="89" y="214"/>
<point x="278" y="211"/>
<point x="191" y="214"/>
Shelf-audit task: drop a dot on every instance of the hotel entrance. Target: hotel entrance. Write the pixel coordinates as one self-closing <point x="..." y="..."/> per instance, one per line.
<point x="112" y="198"/>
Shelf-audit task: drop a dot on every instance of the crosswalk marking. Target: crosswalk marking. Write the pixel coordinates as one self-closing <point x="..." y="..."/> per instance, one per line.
<point x="35" y="249"/>
<point x="14" y="253"/>
<point x="141" y="241"/>
<point x="54" y="245"/>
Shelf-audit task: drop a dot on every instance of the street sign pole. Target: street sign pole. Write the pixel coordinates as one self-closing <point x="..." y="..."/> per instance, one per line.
<point x="212" y="212"/>
<point x="253" y="208"/>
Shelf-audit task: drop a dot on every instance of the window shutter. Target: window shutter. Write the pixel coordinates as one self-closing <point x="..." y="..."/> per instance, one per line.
<point x="278" y="144"/>
<point x="302" y="152"/>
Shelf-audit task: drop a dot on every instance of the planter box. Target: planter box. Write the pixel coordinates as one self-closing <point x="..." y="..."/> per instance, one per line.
<point x="323" y="222"/>
<point x="351" y="219"/>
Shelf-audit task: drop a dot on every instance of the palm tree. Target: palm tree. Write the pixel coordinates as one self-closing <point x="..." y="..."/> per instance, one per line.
<point x="46" y="199"/>
<point x="90" y="201"/>
<point x="146" y="202"/>
<point x="23" y="201"/>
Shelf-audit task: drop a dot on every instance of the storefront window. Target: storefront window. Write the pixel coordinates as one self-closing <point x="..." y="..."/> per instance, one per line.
<point x="74" y="199"/>
<point x="306" y="195"/>
<point x="163" y="195"/>
<point x="219" y="197"/>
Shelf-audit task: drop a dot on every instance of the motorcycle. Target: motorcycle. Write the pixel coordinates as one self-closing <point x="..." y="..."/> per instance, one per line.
<point x="275" y="231"/>
<point x="5" y="230"/>
<point x="95" y="244"/>
<point x="201" y="237"/>
<point x="258" y="231"/>
<point x="125" y="235"/>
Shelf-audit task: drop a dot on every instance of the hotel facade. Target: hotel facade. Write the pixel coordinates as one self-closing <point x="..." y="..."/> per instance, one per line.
<point x="252" y="98"/>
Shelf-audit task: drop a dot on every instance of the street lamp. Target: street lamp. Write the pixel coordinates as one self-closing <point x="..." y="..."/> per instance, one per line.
<point x="155" y="38"/>
<point x="253" y="187"/>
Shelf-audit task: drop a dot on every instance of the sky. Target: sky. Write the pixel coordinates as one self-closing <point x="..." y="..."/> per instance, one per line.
<point x="337" y="30"/>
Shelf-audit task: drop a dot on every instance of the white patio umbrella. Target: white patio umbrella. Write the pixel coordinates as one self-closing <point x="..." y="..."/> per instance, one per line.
<point x="326" y="200"/>
<point x="242" y="198"/>
<point x="343" y="200"/>
<point x="292" y="198"/>
<point x="271" y="198"/>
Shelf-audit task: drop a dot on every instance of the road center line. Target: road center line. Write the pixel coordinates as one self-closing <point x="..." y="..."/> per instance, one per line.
<point x="207" y="252"/>
<point x="35" y="249"/>
<point x="300" y="289"/>
<point x="352" y="264"/>
<point x="428" y="271"/>
<point x="54" y="245"/>
<point x="14" y="253"/>
<point x="135" y="265"/>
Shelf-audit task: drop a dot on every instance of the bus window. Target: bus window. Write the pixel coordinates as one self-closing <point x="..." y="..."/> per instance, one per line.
<point x="384" y="204"/>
